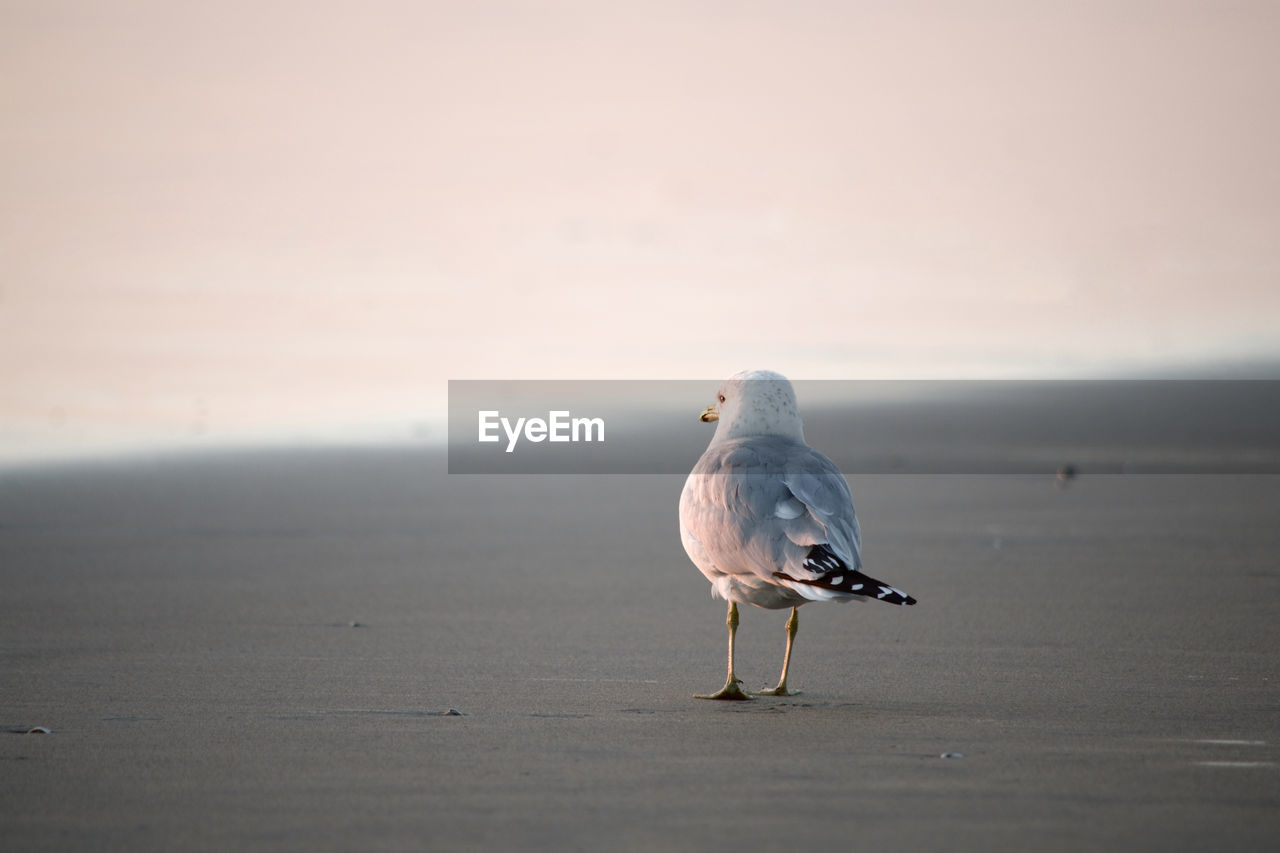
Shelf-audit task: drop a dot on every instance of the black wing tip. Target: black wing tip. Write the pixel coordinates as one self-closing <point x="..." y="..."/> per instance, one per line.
<point x="846" y="584"/>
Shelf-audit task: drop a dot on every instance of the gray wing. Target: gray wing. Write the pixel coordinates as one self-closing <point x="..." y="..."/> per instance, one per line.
<point x="817" y="483"/>
<point x="833" y="567"/>
<point x="758" y="506"/>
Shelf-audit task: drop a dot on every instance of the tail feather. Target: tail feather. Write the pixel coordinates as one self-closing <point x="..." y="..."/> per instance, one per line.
<point x="834" y="574"/>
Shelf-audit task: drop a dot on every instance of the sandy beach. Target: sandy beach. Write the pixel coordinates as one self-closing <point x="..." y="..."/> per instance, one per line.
<point x="352" y="361"/>
<point x="356" y="650"/>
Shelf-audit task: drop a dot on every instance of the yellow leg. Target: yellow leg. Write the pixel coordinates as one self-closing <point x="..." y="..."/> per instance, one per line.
<point x="793" y="625"/>
<point x="731" y="690"/>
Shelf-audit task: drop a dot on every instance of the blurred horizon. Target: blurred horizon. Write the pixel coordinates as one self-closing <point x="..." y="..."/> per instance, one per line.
<point x="1208" y="419"/>
<point x="295" y="222"/>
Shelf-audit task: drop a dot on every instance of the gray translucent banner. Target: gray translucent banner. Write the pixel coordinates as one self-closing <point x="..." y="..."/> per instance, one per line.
<point x="879" y="427"/>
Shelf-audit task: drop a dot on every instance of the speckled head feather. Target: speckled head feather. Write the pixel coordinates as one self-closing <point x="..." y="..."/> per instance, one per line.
<point x="757" y="402"/>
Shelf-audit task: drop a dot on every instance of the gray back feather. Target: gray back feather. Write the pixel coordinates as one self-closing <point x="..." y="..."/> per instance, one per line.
<point x="736" y="488"/>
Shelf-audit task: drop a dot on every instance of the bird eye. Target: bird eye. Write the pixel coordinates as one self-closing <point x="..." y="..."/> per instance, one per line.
<point x="721" y="398"/>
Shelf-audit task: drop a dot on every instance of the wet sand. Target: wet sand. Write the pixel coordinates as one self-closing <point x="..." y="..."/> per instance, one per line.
<point x="261" y="651"/>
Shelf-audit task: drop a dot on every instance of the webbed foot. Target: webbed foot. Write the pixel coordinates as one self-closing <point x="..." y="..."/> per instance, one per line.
<point x="730" y="692"/>
<point x="780" y="690"/>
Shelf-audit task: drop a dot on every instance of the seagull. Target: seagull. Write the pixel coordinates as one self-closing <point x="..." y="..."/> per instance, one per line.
<point x="768" y="519"/>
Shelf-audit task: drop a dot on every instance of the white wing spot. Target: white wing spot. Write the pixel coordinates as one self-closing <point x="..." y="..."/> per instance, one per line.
<point x="788" y="508"/>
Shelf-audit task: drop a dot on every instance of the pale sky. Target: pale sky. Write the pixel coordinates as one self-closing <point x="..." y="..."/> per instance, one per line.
<point x="305" y="217"/>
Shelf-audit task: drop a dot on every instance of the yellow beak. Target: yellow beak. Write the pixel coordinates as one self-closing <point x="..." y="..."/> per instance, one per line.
<point x="709" y="414"/>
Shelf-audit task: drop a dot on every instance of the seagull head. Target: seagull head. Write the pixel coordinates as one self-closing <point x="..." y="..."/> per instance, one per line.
<point x="754" y="402"/>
